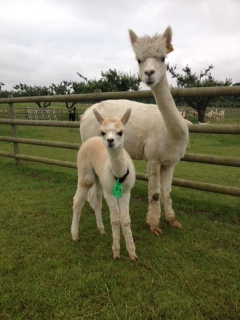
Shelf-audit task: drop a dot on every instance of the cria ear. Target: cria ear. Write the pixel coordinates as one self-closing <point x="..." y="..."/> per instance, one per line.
<point x="133" y="36"/>
<point x="98" y="116"/>
<point x="168" y="36"/>
<point x="126" y="116"/>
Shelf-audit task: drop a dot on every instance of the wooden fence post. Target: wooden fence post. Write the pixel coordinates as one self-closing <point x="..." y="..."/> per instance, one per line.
<point x="11" y="116"/>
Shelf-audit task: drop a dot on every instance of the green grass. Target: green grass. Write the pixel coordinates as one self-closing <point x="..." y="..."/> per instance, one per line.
<point x="191" y="273"/>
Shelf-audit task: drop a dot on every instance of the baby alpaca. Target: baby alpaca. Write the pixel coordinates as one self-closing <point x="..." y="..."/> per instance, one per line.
<point x="101" y="162"/>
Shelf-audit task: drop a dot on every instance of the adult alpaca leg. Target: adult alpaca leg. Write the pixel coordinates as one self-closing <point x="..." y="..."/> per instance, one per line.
<point x="166" y="174"/>
<point x="154" y="210"/>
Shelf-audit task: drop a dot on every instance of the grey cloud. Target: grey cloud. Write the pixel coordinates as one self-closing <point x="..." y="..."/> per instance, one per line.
<point x="51" y="42"/>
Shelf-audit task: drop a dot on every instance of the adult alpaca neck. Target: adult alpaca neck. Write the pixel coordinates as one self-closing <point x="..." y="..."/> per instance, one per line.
<point x="173" y="121"/>
<point x="151" y="53"/>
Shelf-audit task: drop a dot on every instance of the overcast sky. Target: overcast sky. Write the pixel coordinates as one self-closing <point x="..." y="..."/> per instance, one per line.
<point x="47" y="41"/>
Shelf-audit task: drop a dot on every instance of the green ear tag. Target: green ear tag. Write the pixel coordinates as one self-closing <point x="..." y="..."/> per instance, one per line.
<point x="117" y="189"/>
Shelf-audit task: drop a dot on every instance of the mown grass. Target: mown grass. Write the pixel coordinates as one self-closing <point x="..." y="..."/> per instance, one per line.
<point x="190" y="273"/>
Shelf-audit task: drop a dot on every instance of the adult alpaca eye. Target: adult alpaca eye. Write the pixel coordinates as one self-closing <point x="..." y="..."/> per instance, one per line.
<point x="120" y="133"/>
<point x="162" y="59"/>
<point x="103" y="133"/>
<point x="139" y="61"/>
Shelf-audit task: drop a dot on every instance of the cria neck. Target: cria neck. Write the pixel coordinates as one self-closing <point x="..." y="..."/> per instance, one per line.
<point x="122" y="179"/>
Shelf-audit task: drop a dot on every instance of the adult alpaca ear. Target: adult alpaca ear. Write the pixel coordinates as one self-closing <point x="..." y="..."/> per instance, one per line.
<point x="126" y="116"/>
<point x="98" y="116"/>
<point x="168" y="36"/>
<point x="133" y="36"/>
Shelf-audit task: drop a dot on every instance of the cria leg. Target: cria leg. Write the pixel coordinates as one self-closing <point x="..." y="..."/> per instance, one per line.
<point x="98" y="206"/>
<point x="166" y="175"/>
<point x="154" y="211"/>
<point x="115" y="223"/>
<point x="78" y="203"/>
<point x="91" y="197"/>
<point x="94" y="198"/>
<point x="125" y="224"/>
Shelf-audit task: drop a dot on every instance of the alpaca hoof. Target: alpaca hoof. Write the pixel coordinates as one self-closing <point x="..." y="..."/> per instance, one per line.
<point x="134" y="257"/>
<point x="116" y="257"/>
<point x="156" y="230"/>
<point x="75" y="238"/>
<point x="102" y="231"/>
<point x="175" y="224"/>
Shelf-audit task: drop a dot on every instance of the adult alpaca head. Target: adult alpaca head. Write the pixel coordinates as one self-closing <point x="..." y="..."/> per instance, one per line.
<point x="150" y="54"/>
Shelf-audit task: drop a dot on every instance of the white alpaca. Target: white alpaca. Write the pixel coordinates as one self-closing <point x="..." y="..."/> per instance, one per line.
<point x="101" y="162"/>
<point x="195" y="114"/>
<point x="183" y="113"/>
<point x="214" y="115"/>
<point x="160" y="138"/>
<point x="221" y="115"/>
<point x="209" y="115"/>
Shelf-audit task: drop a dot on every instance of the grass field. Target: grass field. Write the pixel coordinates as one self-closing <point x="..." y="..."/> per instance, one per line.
<point x="191" y="273"/>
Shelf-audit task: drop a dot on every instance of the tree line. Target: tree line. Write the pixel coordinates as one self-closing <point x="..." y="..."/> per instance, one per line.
<point x="188" y="79"/>
<point x="115" y="81"/>
<point x="110" y="81"/>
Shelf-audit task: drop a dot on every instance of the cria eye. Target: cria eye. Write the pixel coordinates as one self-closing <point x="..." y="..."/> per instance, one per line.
<point x="163" y="59"/>
<point x="103" y="133"/>
<point x="139" y="61"/>
<point x="120" y="133"/>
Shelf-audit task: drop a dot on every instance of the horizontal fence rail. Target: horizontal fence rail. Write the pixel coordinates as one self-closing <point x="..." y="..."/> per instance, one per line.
<point x="200" y="158"/>
<point x="231" y="191"/>
<point x="44" y="143"/>
<point x="41" y="123"/>
<point x="144" y="94"/>
<point x="189" y="92"/>
<point x="196" y="128"/>
<point x="227" y="190"/>
<point x="55" y="162"/>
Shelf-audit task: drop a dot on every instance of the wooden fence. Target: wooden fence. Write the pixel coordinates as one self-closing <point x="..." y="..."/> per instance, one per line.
<point x="216" y="129"/>
<point x="36" y="113"/>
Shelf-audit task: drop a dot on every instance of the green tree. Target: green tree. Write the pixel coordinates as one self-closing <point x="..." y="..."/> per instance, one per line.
<point x="3" y="93"/>
<point x="64" y="87"/>
<point x="24" y="90"/>
<point x="86" y="86"/>
<point x="111" y="81"/>
<point x="120" y="81"/>
<point x="188" y="79"/>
